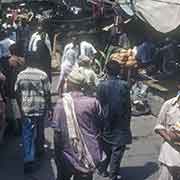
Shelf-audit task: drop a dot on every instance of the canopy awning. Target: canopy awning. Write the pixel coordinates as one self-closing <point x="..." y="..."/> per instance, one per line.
<point x="163" y="15"/>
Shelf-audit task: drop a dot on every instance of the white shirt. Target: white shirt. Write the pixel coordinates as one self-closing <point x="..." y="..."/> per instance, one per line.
<point x="34" y="40"/>
<point x="4" y="47"/>
<point x="87" y="49"/>
<point x="70" y="61"/>
<point x="168" y="117"/>
<point x="67" y="56"/>
<point x="66" y="48"/>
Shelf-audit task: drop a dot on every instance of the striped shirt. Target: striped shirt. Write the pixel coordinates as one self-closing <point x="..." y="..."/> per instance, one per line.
<point x="33" y="86"/>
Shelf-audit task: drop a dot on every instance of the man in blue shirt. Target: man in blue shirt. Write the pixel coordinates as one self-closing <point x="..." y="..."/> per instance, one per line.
<point x="114" y="96"/>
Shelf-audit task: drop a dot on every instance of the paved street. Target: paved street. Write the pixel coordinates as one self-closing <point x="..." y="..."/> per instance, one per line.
<point x="139" y="163"/>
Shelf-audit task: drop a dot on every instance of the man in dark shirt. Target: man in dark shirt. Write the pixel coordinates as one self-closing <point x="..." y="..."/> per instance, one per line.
<point x="114" y="96"/>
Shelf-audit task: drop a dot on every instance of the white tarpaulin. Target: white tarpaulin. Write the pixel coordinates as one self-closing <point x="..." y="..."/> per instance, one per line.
<point x="163" y="15"/>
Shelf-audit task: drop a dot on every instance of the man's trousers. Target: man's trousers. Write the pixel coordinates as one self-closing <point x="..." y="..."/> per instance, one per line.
<point x="114" y="155"/>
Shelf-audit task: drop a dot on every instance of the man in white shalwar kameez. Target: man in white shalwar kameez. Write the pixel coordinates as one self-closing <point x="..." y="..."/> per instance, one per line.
<point x="168" y="128"/>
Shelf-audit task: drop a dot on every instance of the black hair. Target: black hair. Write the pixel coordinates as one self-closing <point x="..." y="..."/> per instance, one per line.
<point x="33" y="60"/>
<point x="3" y="33"/>
<point x="14" y="50"/>
<point x="113" y="68"/>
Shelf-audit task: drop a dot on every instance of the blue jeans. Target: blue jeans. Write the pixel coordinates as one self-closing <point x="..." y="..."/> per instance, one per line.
<point x="32" y="137"/>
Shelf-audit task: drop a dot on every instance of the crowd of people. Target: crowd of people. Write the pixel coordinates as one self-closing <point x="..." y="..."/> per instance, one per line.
<point x="18" y="41"/>
<point x="80" y="128"/>
<point x="91" y="119"/>
<point x="81" y="117"/>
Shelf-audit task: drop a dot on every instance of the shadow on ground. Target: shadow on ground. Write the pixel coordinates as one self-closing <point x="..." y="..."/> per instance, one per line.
<point x="11" y="160"/>
<point x="139" y="172"/>
<point x="45" y="170"/>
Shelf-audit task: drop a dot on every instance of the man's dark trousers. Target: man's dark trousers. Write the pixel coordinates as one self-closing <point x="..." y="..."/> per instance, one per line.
<point x="114" y="153"/>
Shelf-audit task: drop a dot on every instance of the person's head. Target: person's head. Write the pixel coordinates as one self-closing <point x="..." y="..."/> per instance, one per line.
<point x="40" y="28"/>
<point x="33" y="60"/>
<point x="84" y="61"/>
<point x="13" y="49"/>
<point x="75" y="81"/>
<point x="75" y="39"/>
<point x="17" y="21"/>
<point x="113" y="68"/>
<point x="23" y="21"/>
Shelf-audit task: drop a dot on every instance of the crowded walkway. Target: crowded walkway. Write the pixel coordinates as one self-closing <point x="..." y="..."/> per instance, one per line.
<point x="91" y="116"/>
<point x="140" y="160"/>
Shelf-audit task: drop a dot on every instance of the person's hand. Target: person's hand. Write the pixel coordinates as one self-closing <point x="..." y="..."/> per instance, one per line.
<point x="75" y="144"/>
<point x="172" y="135"/>
<point x="50" y="115"/>
<point x="169" y="136"/>
<point x="164" y="134"/>
<point x="2" y="77"/>
<point x="21" y="61"/>
<point x="14" y="61"/>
